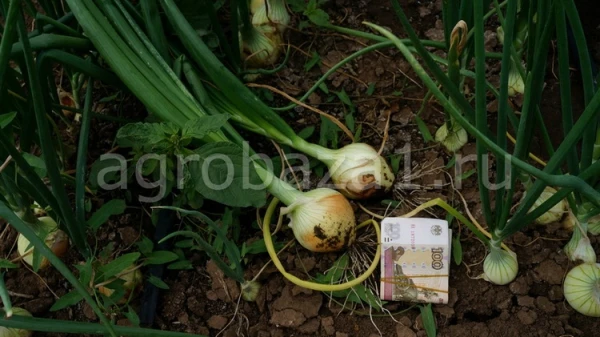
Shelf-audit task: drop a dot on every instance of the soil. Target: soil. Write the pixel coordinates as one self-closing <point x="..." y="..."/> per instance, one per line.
<point x="201" y="300"/>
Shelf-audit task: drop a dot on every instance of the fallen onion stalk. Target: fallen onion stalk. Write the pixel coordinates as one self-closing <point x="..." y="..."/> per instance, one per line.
<point x="582" y="289"/>
<point x="357" y="170"/>
<point x="14" y="332"/>
<point x="308" y="284"/>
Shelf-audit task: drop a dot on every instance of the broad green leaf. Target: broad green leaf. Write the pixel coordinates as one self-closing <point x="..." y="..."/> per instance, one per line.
<point x="343" y="96"/>
<point x="222" y="173"/>
<point x="158" y="282"/>
<point x="314" y="60"/>
<point x="427" y="137"/>
<point x="180" y="265"/>
<point x="258" y="247"/>
<point x="306" y="132"/>
<point x="85" y="272"/>
<point x="37" y="163"/>
<point x="160" y="257"/>
<point x="119" y="265"/>
<point x="371" y="89"/>
<point x="6" y="119"/>
<point x="428" y="320"/>
<point x="143" y="135"/>
<point x="113" y="207"/>
<point x="4" y="263"/>
<point x="145" y="245"/>
<point x="71" y="298"/>
<point x="108" y="171"/>
<point x="316" y="15"/>
<point x="200" y="127"/>
<point x="457" y="253"/>
<point x="132" y="316"/>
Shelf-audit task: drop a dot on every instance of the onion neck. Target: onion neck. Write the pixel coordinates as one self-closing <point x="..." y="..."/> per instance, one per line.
<point x="316" y="151"/>
<point x="279" y="188"/>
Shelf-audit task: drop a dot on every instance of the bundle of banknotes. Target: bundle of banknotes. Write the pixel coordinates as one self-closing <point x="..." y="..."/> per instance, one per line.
<point x="415" y="260"/>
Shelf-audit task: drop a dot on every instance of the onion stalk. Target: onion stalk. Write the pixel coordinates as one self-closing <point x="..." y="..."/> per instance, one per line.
<point x="174" y="103"/>
<point x="357" y="170"/>
<point x="13" y="332"/>
<point x="582" y="289"/>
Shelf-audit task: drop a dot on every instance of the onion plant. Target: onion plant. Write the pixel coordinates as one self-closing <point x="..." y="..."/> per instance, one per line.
<point x="579" y="185"/>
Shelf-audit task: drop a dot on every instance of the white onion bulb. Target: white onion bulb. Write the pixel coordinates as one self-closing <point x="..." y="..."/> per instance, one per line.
<point x="582" y="289"/>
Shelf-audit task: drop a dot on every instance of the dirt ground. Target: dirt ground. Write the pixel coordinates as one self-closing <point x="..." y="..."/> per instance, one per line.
<point x="202" y="301"/>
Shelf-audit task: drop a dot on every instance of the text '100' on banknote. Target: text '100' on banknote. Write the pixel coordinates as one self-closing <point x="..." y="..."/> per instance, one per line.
<point x="415" y="260"/>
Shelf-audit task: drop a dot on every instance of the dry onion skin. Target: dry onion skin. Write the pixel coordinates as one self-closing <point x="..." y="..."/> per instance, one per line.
<point x="56" y="239"/>
<point x="582" y="289"/>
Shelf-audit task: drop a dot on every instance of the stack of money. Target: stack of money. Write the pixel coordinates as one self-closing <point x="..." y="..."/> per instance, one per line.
<point x="415" y="260"/>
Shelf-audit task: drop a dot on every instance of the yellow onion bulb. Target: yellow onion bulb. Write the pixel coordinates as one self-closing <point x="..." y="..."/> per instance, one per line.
<point x="322" y="220"/>
<point x="358" y="171"/>
<point x="13" y="332"/>
<point x="453" y="139"/>
<point x="55" y="239"/>
<point x="582" y="289"/>
<point x="500" y="267"/>
<point x="132" y="284"/>
<point x="555" y="214"/>
<point x="262" y="46"/>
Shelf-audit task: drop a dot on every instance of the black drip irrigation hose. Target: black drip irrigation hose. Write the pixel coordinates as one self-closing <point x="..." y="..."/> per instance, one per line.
<point x="164" y="227"/>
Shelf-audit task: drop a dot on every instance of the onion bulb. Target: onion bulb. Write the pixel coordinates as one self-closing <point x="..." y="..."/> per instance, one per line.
<point x="579" y="247"/>
<point x="261" y="46"/>
<point x="515" y="82"/>
<point x="250" y="290"/>
<point x="322" y="220"/>
<point x="582" y="289"/>
<point x="453" y="139"/>
<point x="132" y="284"/>
<point x="594" y="225"/>
<point x="500" y="267"/>
<point x="270" y="12"/>
<point x="56" y="239"/>
<point x="557" y="211"/>
<point x="357" y="170"/>
<point x="13" y="332"/>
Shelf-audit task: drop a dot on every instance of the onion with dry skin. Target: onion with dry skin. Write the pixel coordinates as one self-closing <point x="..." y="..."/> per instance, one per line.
<point x="56" y="239"/>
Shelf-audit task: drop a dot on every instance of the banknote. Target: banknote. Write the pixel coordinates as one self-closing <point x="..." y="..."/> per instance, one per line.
<point x="415" y="260"/>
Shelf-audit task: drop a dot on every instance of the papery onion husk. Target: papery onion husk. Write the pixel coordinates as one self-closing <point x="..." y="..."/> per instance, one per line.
<point x="454" y="139"/>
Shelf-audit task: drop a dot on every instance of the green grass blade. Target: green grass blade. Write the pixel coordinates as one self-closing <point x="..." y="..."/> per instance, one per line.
<point x="75" y="63"/>
<point x="41" y="19"/>
<point x="450" y="11"/>
<point x="76" y="231"/>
